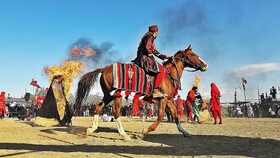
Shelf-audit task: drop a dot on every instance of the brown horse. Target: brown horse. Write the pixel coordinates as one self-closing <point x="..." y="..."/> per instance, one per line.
<point x="176" y="65"/>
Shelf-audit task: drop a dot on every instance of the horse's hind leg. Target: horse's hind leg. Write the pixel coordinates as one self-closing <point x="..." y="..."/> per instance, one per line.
<point x="173" y="110"/>
<point x="116" y="111"/>
<point x="94" y="126"/>
<point x="97" y="110"/>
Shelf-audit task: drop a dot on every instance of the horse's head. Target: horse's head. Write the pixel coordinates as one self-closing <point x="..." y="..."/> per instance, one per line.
<point x="190" y="59"/>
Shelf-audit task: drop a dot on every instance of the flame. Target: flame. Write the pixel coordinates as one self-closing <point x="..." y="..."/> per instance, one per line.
<point x="85" y="51"/>
<point x="196" y="82"/>
<point x="69" y="70"/>
<point x="72" y="67"/>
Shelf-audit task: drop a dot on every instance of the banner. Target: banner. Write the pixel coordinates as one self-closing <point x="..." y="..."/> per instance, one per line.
<point x="34" y="83"/>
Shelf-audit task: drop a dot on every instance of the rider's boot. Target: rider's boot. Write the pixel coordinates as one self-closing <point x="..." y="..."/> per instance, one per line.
<point x="157" y="94"/>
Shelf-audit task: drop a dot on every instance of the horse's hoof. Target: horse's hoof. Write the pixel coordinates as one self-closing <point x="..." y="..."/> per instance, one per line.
<point x="89" y="131"/>
<point x="139" y="136"/>
<point x="186" y="134"/>
<point x="145" y="131"/>
<point x="126" y="138"/>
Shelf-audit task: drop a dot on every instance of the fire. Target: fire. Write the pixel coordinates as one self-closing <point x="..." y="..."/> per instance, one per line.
<point x="196" y="82"/>
<point x="72" y="67"/>
<point x="85" y="51"/>
<point x="69" y="70"/>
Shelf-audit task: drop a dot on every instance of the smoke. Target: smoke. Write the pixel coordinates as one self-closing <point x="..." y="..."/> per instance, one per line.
<point x="181" y="22"/>
<point x="192" y="22"/>
<point x="103" y="54"/>
<point x="189" y="23"/>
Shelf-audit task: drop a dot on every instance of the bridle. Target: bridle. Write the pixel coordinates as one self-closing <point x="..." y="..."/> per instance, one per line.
<point x="186" y="60"/>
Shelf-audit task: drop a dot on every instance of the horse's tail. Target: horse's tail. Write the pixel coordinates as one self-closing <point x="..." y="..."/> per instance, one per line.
<point x="84" y="86"/>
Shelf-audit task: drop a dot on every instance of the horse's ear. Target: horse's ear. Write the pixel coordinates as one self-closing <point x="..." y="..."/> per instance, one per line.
<point x="190" y="47"/>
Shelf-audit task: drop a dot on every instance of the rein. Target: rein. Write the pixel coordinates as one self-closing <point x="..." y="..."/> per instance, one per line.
<point x="178" y="79"/>
<point x="191" y="70"/>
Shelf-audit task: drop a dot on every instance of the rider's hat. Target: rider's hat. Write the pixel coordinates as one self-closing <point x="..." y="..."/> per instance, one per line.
<point x="153" y="28"/>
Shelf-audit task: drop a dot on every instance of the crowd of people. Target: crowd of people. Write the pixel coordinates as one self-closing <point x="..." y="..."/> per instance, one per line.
<point x="22" y="109"/>
<point x="140" y="108"/>
<point x="190" y="107"/>
<point x="267" y="106"/>
<point x="193" y="104"/>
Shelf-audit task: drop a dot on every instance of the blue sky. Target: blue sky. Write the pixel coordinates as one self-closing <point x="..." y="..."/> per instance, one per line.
<point x="236" y="38"/>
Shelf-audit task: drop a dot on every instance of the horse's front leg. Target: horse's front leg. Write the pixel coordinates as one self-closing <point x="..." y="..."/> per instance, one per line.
<point x="173" y="110"/>
<point x="116" y="111"/>
<point x="97" y="111"/>
<point x="161" y="109"/>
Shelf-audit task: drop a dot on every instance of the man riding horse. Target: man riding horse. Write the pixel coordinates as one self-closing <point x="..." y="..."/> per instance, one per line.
<point x="110" y="80"/>
<point x="146" y="60"/>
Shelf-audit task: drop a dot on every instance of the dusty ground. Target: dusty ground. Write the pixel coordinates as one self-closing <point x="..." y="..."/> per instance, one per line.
<point x="237" y="137"/>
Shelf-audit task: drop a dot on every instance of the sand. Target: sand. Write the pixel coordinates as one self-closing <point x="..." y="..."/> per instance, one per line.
<point x="236" y="137"/>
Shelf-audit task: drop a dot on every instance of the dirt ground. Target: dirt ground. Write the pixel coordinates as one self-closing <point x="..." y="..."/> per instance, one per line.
<point x="236" y="137"/>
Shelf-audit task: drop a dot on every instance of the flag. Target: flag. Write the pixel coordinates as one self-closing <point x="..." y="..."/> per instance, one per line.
<point x="34" y="83"/>
<point x="243" y="83"/>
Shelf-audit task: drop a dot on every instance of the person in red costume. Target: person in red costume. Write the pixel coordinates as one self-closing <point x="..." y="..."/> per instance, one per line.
<point x="180" y="106"/>
<point x="40" y="100"/>
<point x="2" y="105"/>
<point x="135" y="106"/>
<point x="189" y="101"/>
<point x="215" y="103"/>
<point x="145" y="59"/>
<point x="151" y="110"/>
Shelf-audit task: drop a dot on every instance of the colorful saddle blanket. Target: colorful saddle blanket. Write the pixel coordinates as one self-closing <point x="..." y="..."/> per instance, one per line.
<point x="130" y="77"/>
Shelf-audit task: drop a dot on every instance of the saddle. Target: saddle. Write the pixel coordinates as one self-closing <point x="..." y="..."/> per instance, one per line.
<point x="130" y="77"/>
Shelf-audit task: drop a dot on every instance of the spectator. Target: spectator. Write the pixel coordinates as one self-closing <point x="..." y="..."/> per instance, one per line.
<point x="180" y="106"/>
<point x="215" y="103"/>
<point x="151" y="111"/>
<point x="273" y="93"/>
<point x="198" y="100"/>
<point x="135" y="106"/>
<point x="2" y="105"/>
<point x="87" y="111"/>
<point x="189" y="101"/>
<point x="250" y="111"/>
<point x="262" y="98"/>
